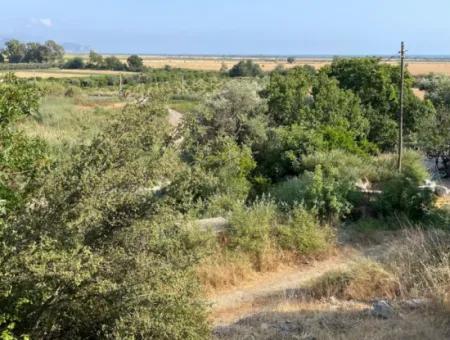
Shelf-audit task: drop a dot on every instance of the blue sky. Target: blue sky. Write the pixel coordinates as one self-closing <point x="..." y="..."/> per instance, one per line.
<point x="234" y="26"/>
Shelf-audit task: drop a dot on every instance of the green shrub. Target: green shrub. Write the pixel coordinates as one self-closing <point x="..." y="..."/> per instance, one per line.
<point x="95" y="254"/>
<point x="327" y="186"/>
<point x="251" y="227"/>
<point x="74" y="63"/>
<point x="303" y="233"/>
<point x="245" y="68"/>
<point x="400" y="191"/>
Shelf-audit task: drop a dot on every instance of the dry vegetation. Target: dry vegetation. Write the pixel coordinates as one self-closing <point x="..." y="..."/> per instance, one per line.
<point x="412" y="271"/>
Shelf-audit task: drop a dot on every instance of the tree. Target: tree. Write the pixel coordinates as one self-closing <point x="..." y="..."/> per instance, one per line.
<point x="74" y="63"/>
<point x="53" y="52"/>
<point x="135" y="63"/>
<point x="114" y="63"/>
<point x="2" y="58"/>
<point x="95" y="254"/>
<point x="333" y="106"/>
<point x="246" y="68"/>
<point x="291" y="60"/>
<point x="21" y="158"/>
<point x="377" y="84"/>
<point x="434" y="134"/>
<point x="236" y="111"/>
<point x="14" y="51"/>
<point x="95" y="60"/>
<point x="288" y="94"/>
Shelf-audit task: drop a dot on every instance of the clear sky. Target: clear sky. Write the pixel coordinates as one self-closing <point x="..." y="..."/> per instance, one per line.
<point x="234" y="26"/>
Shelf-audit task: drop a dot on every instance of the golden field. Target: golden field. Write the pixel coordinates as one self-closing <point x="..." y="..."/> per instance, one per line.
<point x="416" y="67"/>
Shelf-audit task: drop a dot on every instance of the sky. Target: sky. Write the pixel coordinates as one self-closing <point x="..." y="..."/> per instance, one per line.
<point x="235" y="27"/>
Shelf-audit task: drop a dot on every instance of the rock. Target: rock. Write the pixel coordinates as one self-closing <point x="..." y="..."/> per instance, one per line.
<point x="441" y="191"/>
<point x="416" y="303"/>
<point x="382" y="309"/>
<point x="264" y="326"/>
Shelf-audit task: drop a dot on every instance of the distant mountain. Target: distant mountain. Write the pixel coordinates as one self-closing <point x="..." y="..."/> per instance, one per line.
<point x="75" y="48"/>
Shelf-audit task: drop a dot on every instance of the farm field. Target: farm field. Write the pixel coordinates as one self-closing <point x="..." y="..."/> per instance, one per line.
<point x="58" y="73"/>
<point x="416" y="67"/>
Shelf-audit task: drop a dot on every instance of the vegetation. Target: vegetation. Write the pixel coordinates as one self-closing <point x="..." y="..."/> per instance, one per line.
<point x="245" y="68"/>
<point x="102" y="198"/>
<point x="18" y="52"/>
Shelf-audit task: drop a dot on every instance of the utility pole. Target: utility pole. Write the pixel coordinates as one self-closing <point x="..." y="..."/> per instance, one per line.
<point x="400" y="123"/>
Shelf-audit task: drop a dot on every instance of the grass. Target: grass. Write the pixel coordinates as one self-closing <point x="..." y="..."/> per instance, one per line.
<point x="67" y="121"/>
<point x="362" y="281"/>
<point x="59" y="73"/>
<point x="183" y="106"/>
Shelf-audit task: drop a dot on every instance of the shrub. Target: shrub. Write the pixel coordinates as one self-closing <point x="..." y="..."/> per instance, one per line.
<point x="72" y="92"/>
<point x="74" y="63"/>
<point x="400" y="191"/>
<point x="303" y="233"/>
<point x="245" y="68"/>
<point x="251" y="227"/>
<point x="363" y="281"/>
<point x="321" y="190"/>
<point x="94" y="254"/>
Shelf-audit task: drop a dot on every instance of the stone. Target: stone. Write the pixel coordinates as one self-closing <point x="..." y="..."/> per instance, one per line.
<point x="382" y="309"/>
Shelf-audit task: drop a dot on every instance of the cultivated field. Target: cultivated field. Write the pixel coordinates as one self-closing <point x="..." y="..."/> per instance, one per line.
<point x="58" y="73"/>
<point x="416" y="67"/>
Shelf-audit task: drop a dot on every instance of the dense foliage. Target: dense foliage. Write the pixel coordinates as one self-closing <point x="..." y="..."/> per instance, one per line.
<point x="104" y="242"/>
<point x="18" y="52"/>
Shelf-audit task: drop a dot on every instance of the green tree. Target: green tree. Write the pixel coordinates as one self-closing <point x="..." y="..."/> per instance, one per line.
<point x="236" y="111"/>
<point x="245" y="68"/>
<point x="2" y="58"/>
<point x="434" y="134"/>
<point x="291" y="60"/>
<point x="53" y="52"/>
<point x="135" y="63"/>
<point x="288" y="94"/>
<point x="14" y="51"/>
<point x="95" y="255"/>
<point x="74" y="63"/>
<point x="95" y="60"/>
<point x="114" y="63"/>
<point x="377" y="85"/>
<point x="22" y="159"/>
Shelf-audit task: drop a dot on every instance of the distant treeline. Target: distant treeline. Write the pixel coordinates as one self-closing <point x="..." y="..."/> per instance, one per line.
<point x="32" y="55"/>
<point x="16" y="52"/>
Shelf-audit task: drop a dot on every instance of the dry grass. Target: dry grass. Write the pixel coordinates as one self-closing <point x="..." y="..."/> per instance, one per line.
<point x="421" y="262"/>
<point x="228" y="269"/>
<point x="267" y="64"/>
<point x="330" y="320"/>
<point x="362" y="281"/>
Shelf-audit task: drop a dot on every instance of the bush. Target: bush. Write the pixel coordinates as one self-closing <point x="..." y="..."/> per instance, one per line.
<point x="245" y="68"/>
<point x="400" y="191"/>
<point x="327" y="185"/>
<point x="251" y="227"/>
<point x="74" y="63"/>
<point x="303" y="233"/>
<point x="95" y="254"/>
<point x="72" y="92"/>
<point x="363" y="281"/>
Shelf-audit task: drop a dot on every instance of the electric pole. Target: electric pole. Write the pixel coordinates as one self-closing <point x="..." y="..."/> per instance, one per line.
<point x="400" y="123"/>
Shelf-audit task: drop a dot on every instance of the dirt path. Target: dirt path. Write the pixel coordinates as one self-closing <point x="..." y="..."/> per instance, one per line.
<point x="248" y="299"/>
